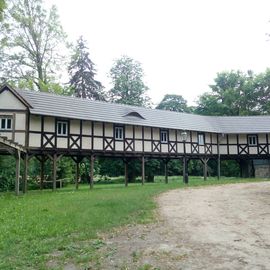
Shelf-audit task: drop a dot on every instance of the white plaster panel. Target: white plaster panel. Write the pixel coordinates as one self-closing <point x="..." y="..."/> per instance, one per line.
<point x="49" y="124"/>
<point x="223" y="149"/>
<point x="128" y="131"/>
<point x="194" y="136"/>
<point x="201" y="149"/>
<point x="35" y="123"/>
<point x="98" y="143"/>
<point x="119" y="145"/>
<point x="242" y="138"/>
<point x="138" y="132"/>
<point x="20" y="121"/>
<point x="214" y="138"/>
<point x="164" y="148"/>
<point x="233" y="150"/>
<point x="253" y="150"/>
<point x="232" y="138"/>
<point x="188" y="148"/>
<point x="20" y="138"/>
<point x="74" y="126"/>
<point x="34" y="140"/>
<point x="62" y="143"/>
<point x="147" y="133"/>
<point x="98" y="129"/>
<point x="261" y="138"/>
<point x="214" y="149"/>
<point x="138" y="146"/>
<point x="180" y="148"/>
<point x="6" y="134"/>
<point x="147" y="147"/>
<point x="86" y="143"/>
<point x="9" y="101"/>
<point x="156" y="134"/>
<point x="207" y="138"/>
<point x="172" y="135"/>
<point x="109" y="130"/>
<point x="86" y="127"/>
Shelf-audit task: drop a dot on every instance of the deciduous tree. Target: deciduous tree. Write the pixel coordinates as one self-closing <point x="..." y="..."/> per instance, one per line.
<point x="174" y="103"/>
<point x="128" y="85"/>
<point x="31" y="41"/>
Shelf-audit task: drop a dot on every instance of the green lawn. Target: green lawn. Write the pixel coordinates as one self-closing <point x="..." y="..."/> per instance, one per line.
<point x="63" y="226"/>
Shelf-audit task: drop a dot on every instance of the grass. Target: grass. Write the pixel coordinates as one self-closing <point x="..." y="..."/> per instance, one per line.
<point x="44" y="230"/>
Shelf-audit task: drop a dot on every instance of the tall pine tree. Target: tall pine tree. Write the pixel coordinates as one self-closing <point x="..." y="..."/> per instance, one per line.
<point x="82" y="72"/>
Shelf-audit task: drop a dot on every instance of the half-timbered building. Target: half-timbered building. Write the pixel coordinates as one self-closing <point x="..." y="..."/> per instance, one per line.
<point x="48" y="125"/>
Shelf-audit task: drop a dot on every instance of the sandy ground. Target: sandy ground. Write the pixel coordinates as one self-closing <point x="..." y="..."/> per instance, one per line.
<point x="218" y="227"/>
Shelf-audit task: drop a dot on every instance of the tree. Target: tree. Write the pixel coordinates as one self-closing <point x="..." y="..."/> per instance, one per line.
<point x="174" y="103"/>
<point x="128" y="86"/>
<point x="82" y="72"/>
<point x="232" y="94"/>
<point x="2" y="7"/>
<point x="31" y="39"/>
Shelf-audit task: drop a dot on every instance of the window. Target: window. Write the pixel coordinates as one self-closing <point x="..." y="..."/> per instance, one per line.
<point x="200" y="138"/>
<point x="252" y="140"/>
<point x="5" y="123"/>
<point x="119" y="133"/>
<point x="62" y="128"/>
<point x="164" y="136"/>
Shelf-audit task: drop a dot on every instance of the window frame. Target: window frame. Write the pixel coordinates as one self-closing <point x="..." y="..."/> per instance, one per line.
<point x="116" y="133"/>
<point x="201" y="135"/>
<point x="161" y="136"/>
<point x="252" y="136"/>
<point x="6" y="118"/>
<point x="61" y="122"/>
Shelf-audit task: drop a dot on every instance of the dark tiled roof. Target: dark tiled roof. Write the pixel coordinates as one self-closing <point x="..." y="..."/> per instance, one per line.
<point x="76" y="108"/>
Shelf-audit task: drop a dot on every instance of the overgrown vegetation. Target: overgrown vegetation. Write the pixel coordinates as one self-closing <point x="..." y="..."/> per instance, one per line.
<point x="46" y="229"/>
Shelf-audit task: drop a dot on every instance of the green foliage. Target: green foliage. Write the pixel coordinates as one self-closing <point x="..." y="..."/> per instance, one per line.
<point x="82" y="72"/>
<point x="237" y="93"/>
<point x="31" y="39"/>
<point x="2" y="7"/>
<point x="7" y="173"/>
<point x="127" y="80"/>
<point x="174" y="103"/>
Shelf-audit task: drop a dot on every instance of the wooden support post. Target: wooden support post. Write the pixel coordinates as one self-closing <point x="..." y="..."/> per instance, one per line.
<point x="42" y="165"/>
<point x="166" y="171"/>
<point x="204" y="161"/>
<point x="218" y="167"/>
<point x="77" y="174"/>
<point x="184" y="169"/>
<point x="25" y="186"/>
<point x="143" y="170"/>
<point x="126" y="173"/>
<point x="218" y="160"/>
<point x="92" y="160"/>
<point x="54" y="171"/>
<point x="18" y="167"/>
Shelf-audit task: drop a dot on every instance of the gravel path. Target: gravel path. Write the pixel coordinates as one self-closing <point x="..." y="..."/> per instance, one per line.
<point x="217" y="227"/>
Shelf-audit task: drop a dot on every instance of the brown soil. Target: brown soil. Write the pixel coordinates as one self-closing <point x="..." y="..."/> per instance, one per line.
<point x="217" y="227"/>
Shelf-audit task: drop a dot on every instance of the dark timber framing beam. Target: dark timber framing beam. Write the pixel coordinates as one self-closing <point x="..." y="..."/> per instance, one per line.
<point x="18" y="168"/>
<point x="205" y="167"/>
<point x="143" y="170"/>
<point x="166" y="161"/>
<point x="92" y="167"/>
<point x="25" y="175"/>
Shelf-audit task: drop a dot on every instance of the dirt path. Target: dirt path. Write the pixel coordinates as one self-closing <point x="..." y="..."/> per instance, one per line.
<point x="218" y="227"/>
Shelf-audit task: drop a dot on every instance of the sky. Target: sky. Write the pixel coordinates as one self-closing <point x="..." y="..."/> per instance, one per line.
<point x="181" y="45"/>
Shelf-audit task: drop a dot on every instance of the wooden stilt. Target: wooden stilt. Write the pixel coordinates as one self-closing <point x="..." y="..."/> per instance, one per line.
<point x="42" y="165"/>
<point x="184" y="169"/>
<point x="143" y="170"/>
<point x="166" y="171"/>
<point x="218" y="167"/>
<point x="126" y="173"/>
<point x="92" y="160"/>
<point x="77" y="175"/>
<point x="54" y="171"/>
<point x="25" y="184"/>
<point x="18" y="167"/>
<point x="204" y="161"/>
